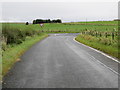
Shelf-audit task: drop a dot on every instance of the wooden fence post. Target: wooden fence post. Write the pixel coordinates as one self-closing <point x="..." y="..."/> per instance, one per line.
<point x="96" y="34"/>
<point x="100" y="34"/>
<point x="112" y="35"/>
<point x="106" y="35"/>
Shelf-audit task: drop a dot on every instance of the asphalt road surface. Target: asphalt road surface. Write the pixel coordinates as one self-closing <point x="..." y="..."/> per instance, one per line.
<point x="60" y="62"/>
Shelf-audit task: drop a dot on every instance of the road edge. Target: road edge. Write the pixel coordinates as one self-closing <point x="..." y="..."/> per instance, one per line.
<point x="108" y="56"/>
<point x="102" y="54"/>
<point x="21" y="52"/>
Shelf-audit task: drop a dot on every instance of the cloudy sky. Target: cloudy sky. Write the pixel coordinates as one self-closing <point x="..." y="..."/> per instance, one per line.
<point x="67" y="11"/>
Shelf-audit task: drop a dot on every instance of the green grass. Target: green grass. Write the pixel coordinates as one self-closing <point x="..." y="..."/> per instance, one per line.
<point x="98" y="22"/>
<point x="99" y="43"/>
<point x="67" y="27"/>
<point x="12" y="54"/>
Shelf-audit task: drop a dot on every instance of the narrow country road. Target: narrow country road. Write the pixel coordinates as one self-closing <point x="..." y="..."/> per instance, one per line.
<point x="60" y="62"/>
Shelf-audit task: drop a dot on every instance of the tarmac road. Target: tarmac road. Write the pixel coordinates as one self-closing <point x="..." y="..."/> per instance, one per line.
<point x="60" y="62"/>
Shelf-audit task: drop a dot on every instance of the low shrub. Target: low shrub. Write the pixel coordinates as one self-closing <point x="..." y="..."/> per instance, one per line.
<point x="15" y="35"/>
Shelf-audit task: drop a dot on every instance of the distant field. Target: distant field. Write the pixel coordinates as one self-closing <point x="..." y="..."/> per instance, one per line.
<point x="69" y="27"/>
<point x="98" y="23"/>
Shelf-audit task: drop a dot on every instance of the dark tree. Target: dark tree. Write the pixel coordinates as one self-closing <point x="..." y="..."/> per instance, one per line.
<point x="34" y="21"/>
<point x="49" y="21"/>
<point x="38" y="21"/>
<point x="27" y="23"/>
<point x="58" y="21"/>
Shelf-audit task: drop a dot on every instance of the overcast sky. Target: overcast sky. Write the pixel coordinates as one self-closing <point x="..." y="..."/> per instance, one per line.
<point x="67" y="11"/>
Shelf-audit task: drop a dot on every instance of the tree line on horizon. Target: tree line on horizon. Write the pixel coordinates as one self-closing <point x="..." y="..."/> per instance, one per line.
<point x="38" y="21"/>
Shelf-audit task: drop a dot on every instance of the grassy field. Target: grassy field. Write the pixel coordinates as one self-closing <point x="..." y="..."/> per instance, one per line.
<point x="67" y="27"/>
<point x="101" y="43"/>
<point x="97" y="23"/>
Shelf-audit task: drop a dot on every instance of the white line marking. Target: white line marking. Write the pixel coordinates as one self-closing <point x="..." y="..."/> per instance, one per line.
<point x="108" y="67"/>
<point x="103" y="64"/>
<point x="98" y="51"/>
<point x="98" y="60"/>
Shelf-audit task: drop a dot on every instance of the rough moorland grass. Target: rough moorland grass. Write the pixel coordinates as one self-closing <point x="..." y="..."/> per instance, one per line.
<point x="11" y="55"/>
<point x="109" y="49"/>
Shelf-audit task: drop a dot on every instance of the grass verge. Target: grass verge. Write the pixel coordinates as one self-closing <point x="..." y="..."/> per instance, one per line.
<point x="11" y="55"/>
<point x="109" y="49"/>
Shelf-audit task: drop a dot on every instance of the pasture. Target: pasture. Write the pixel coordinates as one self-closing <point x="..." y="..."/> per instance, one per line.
<point x="67" y="27"/>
